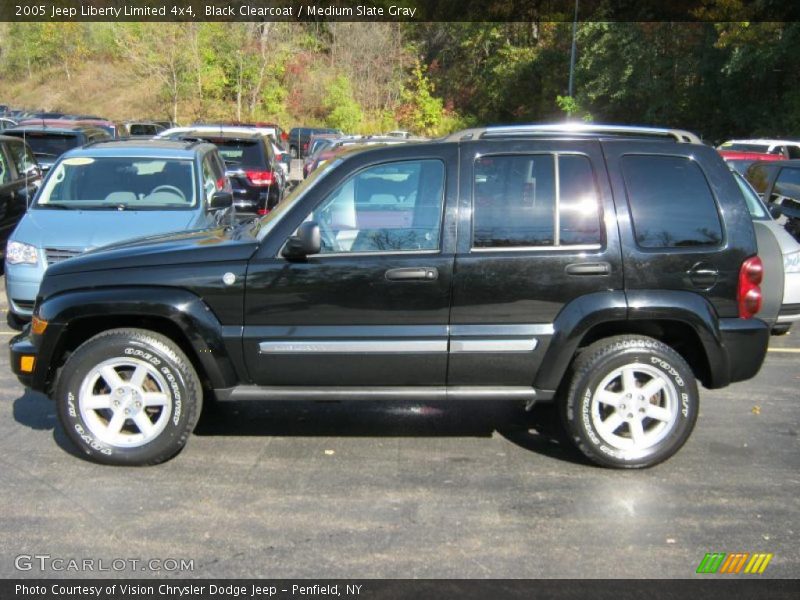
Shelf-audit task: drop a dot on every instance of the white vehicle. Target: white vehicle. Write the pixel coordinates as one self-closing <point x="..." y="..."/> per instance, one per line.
<point x="785" y="148"/>
<point x="784" y="300"/>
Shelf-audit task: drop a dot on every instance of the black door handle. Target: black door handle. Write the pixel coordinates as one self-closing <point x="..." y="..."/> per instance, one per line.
<point x="413" y="274"/>
<point x="596" y="268"/>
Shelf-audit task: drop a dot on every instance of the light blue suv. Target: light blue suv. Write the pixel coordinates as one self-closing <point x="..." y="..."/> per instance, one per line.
<point x="109" y="192"/>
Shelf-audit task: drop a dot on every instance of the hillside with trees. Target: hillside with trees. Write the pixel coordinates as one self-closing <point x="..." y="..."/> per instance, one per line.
<point x="720" y="79"/>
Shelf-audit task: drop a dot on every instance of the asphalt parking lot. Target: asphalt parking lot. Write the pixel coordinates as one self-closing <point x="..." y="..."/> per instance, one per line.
<point x="369" y="490"/>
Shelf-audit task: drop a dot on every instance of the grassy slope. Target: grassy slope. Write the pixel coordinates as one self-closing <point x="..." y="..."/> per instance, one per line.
<point x="100" y="88"/>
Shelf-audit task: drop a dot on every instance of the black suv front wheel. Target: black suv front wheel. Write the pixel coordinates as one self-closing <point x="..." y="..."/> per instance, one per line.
<point x="129" y="397"/>
<point x="632" y="402"/>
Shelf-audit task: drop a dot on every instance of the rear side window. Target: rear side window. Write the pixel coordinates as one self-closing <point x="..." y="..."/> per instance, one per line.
<point x="671" y="202"/>
<point x="535" y="200"/>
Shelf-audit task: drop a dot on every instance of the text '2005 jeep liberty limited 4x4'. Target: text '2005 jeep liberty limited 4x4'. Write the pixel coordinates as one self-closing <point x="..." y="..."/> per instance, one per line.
<point x="603" y="268"/>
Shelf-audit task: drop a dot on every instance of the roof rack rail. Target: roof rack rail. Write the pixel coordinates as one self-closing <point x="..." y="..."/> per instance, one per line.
<point x="680" y="135"/>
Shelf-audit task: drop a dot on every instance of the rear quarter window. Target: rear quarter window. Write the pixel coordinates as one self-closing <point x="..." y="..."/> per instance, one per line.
<point x="671" y="203"/>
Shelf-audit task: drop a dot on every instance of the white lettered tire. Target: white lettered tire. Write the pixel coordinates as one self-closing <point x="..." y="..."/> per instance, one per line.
<point x="129" y="397"/>
<point x="632" y="402"/>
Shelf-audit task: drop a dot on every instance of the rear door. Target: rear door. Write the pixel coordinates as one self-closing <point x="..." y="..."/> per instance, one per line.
<point x="531" y="239"/>
<point x="671" y="198"/>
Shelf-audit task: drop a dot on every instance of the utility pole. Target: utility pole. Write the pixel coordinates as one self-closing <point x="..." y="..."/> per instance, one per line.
<point x="572" y="55"/>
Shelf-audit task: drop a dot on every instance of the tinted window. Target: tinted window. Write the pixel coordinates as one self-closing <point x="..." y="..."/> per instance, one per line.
<point x="754" y="206"/>
<point x="21" y="156"/>
<point x="787" y="185"/>
<point x="794" y="151"/>
<point x="241" y="153"/>
<point x="389" y="207"/>
<point x="5" y="170"/>
<point x="516" y="201"/>
<point x="49" y="145"/>
<point x="671" y="203"/>
<point x="758" y="175"/>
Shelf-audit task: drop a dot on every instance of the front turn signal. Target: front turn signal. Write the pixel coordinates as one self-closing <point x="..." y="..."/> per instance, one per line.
<point x="38" y="326"/>
<point x="26" y="364"/>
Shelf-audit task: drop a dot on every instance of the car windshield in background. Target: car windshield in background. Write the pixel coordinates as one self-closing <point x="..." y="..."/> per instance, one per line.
<point x="127" y="183"/>
<point x="50" y="144"/>
<point x="239" y="153"/>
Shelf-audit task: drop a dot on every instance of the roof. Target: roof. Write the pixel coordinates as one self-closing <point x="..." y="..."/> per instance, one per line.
<point x="211" y="131"/>
<point x="139" y="147"/>
<point x="221" y="134"/>
<point x="571" y="128"/>
<point x="65" y="127"/>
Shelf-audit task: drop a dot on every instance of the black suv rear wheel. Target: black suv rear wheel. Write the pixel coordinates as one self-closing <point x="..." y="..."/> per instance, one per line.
<point x="129" y="397"/>
<point x="632" y="402"/>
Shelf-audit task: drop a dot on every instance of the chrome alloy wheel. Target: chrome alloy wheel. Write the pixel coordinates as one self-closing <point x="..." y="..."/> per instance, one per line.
<point x="125" y="402"/>
<point x="634" y="407"/>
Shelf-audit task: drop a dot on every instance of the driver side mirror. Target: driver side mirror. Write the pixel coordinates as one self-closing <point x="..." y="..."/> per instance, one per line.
<point x="306" y="241"/>
<point x="220" y="199"/>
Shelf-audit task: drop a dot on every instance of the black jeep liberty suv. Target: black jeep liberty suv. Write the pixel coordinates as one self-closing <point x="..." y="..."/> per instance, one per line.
<point x="603" y="268"/>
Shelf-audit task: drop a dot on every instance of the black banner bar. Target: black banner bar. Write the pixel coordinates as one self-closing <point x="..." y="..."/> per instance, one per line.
<point x="729" y="588"/>
<point x="396" y="10"/>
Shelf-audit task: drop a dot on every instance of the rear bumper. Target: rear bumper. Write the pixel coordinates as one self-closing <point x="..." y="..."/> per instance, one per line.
<point x="744" y="342"/>
<point x="789" y="313"/>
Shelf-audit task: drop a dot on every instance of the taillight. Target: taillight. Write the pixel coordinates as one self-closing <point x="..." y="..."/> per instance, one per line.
<point x="749" y="293"/>
<point x="263" y="211"/>
<point x="260" y="177"/>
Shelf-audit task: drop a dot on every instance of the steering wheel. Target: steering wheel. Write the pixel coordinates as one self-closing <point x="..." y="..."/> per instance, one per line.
<point x="168" y="188"/>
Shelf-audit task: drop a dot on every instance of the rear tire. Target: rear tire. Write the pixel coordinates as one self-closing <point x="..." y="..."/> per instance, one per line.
<point x="632" y="402"/>
<point x="129" y="397"/>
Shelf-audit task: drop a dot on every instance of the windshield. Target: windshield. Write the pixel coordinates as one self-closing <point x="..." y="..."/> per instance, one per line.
<point x="265" y="224"/>
<point x="754" y="205"/>
<point x="49" y="144"/>
<point x="119" y="183"/>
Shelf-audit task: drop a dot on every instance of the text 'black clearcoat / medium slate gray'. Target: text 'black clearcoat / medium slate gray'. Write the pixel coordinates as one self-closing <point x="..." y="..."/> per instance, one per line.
<point x="605" y="269"/>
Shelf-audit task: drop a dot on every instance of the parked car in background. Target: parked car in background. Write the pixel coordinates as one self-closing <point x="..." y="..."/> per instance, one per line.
<point x="256" y="175"/>
<point x="48" y="142"/>
<point x="782" y="148"/>
<point x="780" y="254"/>
<point x="109" y="192"/>
<point x="740" y="160"/>
<point x="142" y="129"/>
<point x="334" y="147"/>
<point x="778" y="183"/>
<point x="299" y="138"/>
<point x="20" y="176"/>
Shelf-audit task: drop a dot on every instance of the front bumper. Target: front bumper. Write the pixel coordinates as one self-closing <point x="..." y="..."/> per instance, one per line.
<point x="745" y="342"/>
<point x="22" y="285"/>
<point x="19" y="347"/>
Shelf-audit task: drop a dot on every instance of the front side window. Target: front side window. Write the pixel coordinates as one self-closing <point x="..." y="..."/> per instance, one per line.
<point x="120" y="183"/>
<point x="392" y="207"/>
<point x="787" y="185"/>
<point x="671" y="202"/>
<point x="535" y="200"/>
<point x="22" y="157"/>
<point x="5" y="171"/>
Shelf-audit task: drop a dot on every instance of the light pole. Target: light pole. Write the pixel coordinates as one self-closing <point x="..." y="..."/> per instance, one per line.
<point x="572" y="54"/>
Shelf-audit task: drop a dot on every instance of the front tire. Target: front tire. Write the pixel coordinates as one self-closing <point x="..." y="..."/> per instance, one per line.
<point x="632" y="402"/>
<point x="129" y="397"/>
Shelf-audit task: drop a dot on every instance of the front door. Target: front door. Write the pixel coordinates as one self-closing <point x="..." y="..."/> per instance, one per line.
<point x="371" y="309"/>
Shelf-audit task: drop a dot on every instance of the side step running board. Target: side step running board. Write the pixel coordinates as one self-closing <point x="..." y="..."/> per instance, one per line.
<point x="432" y="393"/>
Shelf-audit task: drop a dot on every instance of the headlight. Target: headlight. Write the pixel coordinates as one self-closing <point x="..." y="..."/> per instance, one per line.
<point x="18" y="253"/>
<point x="791" y="262"/>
